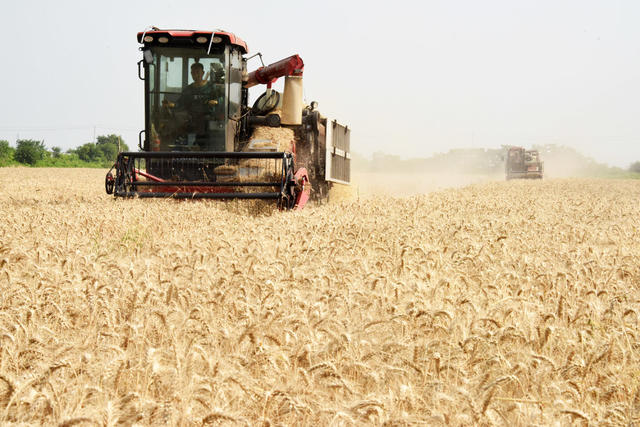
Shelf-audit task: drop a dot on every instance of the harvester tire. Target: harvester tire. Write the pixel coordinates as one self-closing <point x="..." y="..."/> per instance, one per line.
<point x="109" y="183"/>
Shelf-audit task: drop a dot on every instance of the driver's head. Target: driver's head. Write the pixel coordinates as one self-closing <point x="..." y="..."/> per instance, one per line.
<point x="197" y="72"/>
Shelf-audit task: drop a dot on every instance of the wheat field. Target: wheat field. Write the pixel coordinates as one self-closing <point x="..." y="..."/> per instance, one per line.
<point x="504" y="303"/>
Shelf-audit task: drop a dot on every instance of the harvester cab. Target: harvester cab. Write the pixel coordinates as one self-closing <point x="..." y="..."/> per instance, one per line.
<point x="521" y="163"/>
<point x="202" y="140"/>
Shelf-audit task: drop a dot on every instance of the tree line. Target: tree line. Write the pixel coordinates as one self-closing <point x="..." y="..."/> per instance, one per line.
<point x="32" y="152"/>
<point x="104" y="151"/>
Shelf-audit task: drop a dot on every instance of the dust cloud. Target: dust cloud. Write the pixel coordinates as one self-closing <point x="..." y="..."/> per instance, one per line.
<point x="564" y="165"/>
<point x="387" y="175"/>
<point x="368" y="184"/>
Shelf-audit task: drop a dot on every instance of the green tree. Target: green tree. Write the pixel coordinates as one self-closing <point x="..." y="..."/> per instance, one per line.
<point x="89" y="152"/>
<point x="56" y="151"/>
<point x="108" y="145"/>
<point x="29" y="151"/>
<point x="635" y="167"/>
<point x="6" y="152"/>
<point x="104" y="150"/>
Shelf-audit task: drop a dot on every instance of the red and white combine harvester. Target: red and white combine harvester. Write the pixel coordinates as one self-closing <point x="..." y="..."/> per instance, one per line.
<point x="201" y="139"/>
<point x="523" y="164"/>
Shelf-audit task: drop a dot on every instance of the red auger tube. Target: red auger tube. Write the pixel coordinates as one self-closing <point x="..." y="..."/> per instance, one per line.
<point x="291" y="66"/>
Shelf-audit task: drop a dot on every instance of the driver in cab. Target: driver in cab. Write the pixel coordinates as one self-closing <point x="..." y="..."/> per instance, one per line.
<point x="200" y="101"/>
<point x="199" y="96"/>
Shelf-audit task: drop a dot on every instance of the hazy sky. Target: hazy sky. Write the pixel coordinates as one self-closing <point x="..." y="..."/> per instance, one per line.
<point x="410" y="78"/>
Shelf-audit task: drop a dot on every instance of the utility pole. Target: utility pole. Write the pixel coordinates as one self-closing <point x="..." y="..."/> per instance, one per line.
<point x="94" y="134"/>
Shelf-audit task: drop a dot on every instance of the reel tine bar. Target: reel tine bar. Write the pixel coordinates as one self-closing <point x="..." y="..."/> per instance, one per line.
<point x="210" y="175"/>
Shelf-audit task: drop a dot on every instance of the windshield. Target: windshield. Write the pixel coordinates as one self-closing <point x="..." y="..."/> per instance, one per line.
<point x="186" y="100"/>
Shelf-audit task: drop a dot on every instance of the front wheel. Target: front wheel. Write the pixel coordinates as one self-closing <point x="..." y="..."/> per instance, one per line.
<point x="109" y="183"/>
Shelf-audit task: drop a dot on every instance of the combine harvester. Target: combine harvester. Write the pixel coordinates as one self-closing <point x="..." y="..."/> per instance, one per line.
<point x="202" y="140"/>
<point x="521" y="163"/>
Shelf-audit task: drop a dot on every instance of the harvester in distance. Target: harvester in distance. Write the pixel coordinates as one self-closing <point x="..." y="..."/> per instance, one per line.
<point x="521" y="163"/>
<point x="201" y="139"/>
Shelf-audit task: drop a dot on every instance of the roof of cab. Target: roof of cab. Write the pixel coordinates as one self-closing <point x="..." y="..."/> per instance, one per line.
<point x="230" y="37"/>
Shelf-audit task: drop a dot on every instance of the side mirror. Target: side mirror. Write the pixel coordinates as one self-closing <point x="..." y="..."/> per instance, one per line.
<point x="148" y="56"/>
